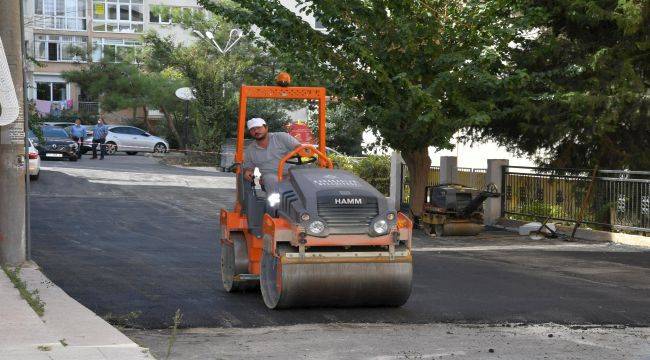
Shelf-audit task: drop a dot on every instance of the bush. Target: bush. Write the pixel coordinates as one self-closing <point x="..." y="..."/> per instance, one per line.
<point x="375" y="169"/>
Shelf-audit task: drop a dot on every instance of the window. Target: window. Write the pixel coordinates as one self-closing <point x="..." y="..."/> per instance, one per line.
<point x="60" y="47"/>
<point x="118" y="16"/>
<point x="162" y="14"/>
<point x="119" y="130"/>
<point x="133" y="131"/>
<point x="60" y="14"/>
<point x="51" y="91"/>
<point x="114" y="49"/>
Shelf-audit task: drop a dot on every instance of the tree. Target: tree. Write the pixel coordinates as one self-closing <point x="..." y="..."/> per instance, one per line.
<point x="416" y="71"/>
<point x="576" y="91"/>
<point x="216" y="79"/>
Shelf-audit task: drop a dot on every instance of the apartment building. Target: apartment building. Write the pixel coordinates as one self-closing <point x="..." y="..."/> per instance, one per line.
<point x="56" y="31"/>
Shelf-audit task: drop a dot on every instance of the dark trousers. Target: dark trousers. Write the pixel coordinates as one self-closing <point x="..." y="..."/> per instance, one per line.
<point x="102" y="147"/>
<point x="80" y="145"/>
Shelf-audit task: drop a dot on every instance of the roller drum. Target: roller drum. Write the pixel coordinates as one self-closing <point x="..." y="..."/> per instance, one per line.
<point x="460" y="229"/>
<point x="288" y="283"/>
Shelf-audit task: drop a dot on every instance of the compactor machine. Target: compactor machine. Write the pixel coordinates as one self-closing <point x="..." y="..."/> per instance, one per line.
<point x="326" y="238"/>
<point x="455" y="210"/>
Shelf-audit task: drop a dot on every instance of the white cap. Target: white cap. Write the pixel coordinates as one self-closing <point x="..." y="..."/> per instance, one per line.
<point x="255" y="122"/>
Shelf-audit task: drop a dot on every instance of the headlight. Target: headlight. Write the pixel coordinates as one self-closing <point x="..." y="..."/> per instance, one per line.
<point x="273" y="199"/>
<point x="316" y="227"/>
<point x="380" y="226"/>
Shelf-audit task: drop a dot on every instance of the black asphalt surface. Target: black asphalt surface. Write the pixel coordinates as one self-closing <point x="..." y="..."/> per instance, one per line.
<point x="136" y="254"/>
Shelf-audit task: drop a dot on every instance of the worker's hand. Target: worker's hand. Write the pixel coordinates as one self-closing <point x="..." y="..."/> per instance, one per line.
<point x="248" y="175"/>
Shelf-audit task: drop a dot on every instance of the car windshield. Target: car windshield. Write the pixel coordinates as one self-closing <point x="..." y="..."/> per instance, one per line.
<point x="54" y="132"/>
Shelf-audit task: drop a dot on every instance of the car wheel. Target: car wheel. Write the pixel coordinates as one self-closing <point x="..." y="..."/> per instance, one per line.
<point x="73" y="158"/>
<point x="34" y="177"/>
<point x="131" y="152"/>
<point x="111" y="148"/>
<point x="160" y="148"/>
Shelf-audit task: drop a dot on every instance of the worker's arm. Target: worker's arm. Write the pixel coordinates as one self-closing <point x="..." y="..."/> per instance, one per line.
<point x="248" y="167"/>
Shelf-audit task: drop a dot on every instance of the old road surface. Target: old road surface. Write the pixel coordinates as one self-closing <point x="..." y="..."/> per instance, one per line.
<point x="134" y="241"/>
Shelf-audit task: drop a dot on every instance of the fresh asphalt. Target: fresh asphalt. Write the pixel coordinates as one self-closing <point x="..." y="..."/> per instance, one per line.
<point x="135" y="254"/>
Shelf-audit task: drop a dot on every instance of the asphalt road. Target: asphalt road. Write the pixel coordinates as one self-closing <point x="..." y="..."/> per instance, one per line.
<point x="134" y="241"/>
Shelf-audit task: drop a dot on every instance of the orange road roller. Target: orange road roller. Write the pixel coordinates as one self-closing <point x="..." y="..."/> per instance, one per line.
<point x="325" y="238"/>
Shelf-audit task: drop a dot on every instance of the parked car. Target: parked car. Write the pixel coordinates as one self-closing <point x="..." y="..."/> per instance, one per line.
<point x="59" y="124"/>
<point x="131" y="140"/>
<point x="57" y="144"/>
<point x="34" y="161"/>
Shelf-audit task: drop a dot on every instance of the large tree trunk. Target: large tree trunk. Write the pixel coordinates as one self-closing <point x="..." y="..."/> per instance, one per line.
<point x="418" y="163"/>
<point x="172" y="127"/>
<point x="147" y="121"/>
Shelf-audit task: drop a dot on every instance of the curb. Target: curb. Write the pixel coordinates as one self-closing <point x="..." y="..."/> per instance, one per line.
<point x="67" y="329"/>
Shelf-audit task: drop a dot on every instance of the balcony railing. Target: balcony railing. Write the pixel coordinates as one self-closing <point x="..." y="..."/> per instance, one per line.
<point x="89" y="107"/>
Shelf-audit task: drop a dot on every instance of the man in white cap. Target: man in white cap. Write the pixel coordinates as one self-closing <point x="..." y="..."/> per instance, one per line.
<point x="266" y="152"/>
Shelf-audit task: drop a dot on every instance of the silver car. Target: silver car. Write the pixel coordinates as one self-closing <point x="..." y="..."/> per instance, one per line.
<point x="131" y="140"/>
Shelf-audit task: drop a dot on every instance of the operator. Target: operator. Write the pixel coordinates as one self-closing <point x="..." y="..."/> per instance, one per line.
<point x="266" y="152"/>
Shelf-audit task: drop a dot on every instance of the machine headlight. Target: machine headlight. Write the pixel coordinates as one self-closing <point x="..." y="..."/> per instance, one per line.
<point x="390" y="216"/>
<point x="273" y="199"/>
<point x="316" y="227"/>
<point x="380" y="226"/>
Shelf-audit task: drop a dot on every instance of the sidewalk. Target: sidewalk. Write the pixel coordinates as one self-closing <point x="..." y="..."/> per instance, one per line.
<point x="66" y="331"/>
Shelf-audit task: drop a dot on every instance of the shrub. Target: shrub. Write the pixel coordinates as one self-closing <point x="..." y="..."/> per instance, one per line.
<point x="375" y="169"/>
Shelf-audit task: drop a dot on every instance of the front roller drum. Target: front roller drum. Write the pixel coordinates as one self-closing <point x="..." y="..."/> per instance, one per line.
<point x="335" y="282"/>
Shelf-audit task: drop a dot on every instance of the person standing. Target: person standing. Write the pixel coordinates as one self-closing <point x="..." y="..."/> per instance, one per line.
<point x="78" y="133"/>
<point x="99" y="138"/>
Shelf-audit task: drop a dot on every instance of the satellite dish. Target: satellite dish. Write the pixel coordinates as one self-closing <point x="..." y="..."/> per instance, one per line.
<point x="185" y="93"/>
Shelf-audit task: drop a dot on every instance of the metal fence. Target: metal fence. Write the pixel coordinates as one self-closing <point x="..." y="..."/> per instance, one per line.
<point x="472" y="177"/>
<point x="466" y="176"/>
<point x="618" y="200"/>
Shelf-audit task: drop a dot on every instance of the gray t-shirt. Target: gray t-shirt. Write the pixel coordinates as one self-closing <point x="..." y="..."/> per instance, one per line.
<point x="267" y="160"/>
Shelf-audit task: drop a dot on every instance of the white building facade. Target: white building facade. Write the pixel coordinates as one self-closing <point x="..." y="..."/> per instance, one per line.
<point x="57" y="32"/>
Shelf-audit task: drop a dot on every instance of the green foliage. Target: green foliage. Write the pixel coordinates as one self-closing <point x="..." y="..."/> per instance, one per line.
<point x="216" y="79"/>
<point x="402" y="66"/>
<point x="414" y="71"/>
<point x="575" y="93"/>
<point x="541" y="209"/>
<point x="375" y="169"/>
<point x="344" y="130"/>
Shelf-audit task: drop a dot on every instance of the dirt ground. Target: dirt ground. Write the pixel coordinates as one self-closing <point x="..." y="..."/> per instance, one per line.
<point x="389" y="341"/>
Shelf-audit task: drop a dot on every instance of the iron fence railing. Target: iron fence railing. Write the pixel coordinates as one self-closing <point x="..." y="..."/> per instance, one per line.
<point x="89" y="107"/>
<point x="619" y="200"/>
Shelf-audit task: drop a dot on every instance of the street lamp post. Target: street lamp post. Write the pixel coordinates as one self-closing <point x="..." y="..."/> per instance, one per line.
<point x="186" y="94"/>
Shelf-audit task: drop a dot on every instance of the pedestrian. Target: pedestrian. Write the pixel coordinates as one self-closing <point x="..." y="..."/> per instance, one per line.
<point x="78" y="133"/>
<point x="99" y="138"/>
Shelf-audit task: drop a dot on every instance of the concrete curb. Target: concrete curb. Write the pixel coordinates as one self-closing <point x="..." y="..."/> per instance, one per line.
<point x="67" y="329"/>
<point x="586" y="234"/>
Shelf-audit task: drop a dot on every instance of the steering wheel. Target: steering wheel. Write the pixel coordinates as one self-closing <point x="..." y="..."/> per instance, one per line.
<point x="309" y="152"/>
<point x="299" y="160"/>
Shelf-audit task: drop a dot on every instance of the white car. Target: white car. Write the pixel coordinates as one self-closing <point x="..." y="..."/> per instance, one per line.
<point x="34" y="161"/>
<point x="131" y="140"/>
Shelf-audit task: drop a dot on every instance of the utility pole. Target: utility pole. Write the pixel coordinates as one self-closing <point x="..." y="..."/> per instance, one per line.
<point x="12" y="145"/>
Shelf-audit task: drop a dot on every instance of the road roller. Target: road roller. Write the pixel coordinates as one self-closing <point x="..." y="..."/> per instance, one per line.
<point x="326" y="238"/>
<point x="455" y="210"/>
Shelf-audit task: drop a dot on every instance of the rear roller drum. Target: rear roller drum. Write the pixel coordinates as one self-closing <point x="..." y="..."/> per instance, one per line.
<point x="234" y="261"/>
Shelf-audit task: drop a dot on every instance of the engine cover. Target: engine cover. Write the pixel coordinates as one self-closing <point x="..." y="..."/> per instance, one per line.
<point x="345" y="202"/>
